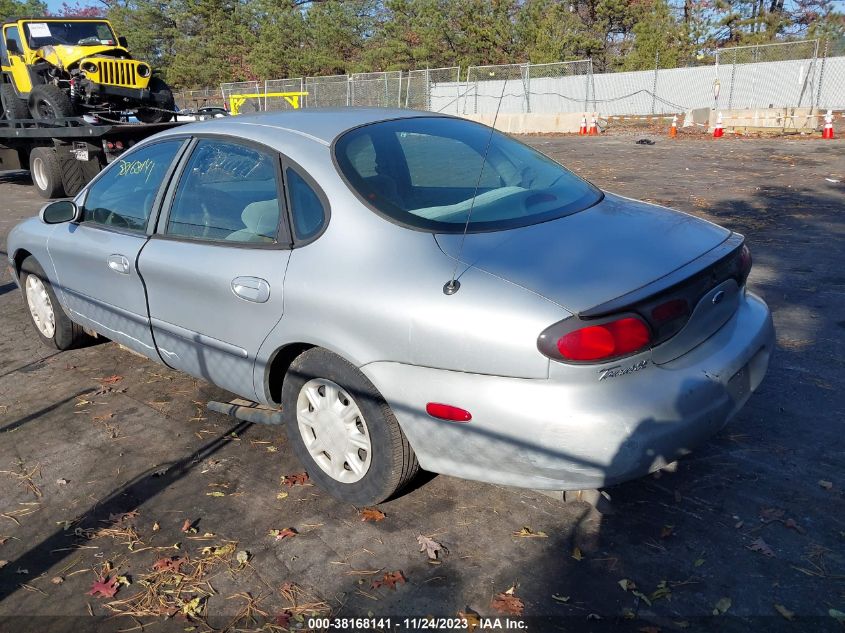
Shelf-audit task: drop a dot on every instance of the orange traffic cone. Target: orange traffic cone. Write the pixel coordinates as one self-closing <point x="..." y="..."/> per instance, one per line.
<point x="718" y="131"/>
<point x="827" y="131"/>
<point x="673" y="131"/>
<point x="582" y="131"/>
<point x="594" y="127"/>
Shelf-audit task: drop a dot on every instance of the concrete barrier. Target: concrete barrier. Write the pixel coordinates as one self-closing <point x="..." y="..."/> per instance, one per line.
<point x="533" y="123"/>
<point x="768" y="120"/>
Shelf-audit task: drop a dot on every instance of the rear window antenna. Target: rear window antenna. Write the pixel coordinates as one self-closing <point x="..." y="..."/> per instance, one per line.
<point x="453" y="285"/>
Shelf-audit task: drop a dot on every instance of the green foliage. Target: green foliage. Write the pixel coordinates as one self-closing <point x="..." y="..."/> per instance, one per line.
<point x="26" y="8"/>
<point x="203" y="42"/>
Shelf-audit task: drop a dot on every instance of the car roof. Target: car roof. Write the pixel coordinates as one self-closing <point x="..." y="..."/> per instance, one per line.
<point x="53" y="18"/>
<point x="320" y="124"/>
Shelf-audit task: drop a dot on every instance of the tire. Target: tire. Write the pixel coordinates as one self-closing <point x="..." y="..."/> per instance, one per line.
<point x="162" y="96"/>
<point x="13" y="106"/>
<point x="46" y="170"/>
<point x="48" y="102"/>
<point x="387" y="467"/>
<point x="38" y="293"/>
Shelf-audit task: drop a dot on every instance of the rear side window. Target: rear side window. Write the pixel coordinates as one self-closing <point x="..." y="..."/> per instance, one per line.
<point x="123" y="196"/>
<point x="438" y="173"/>
<point x="305" y="206"/>
<point x="228" y="192"/>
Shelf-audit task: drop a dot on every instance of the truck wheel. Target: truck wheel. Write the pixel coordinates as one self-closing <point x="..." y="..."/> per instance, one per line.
<point x="48" y="102"/>
<point x="343" y="431"/>
<point x="162" y="96"/>
<point x="53" y="326"/>
<point x="13" y="106"/>
<point x="46" y="171"/>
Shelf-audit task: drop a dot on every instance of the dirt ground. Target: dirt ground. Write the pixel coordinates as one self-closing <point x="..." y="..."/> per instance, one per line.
<point x="110" y="463"/>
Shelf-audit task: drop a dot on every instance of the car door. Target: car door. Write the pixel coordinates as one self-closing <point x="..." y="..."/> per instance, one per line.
<point x="215" y="269"/>
<point x="96" y="258"/>
<point x="15" y="59"/>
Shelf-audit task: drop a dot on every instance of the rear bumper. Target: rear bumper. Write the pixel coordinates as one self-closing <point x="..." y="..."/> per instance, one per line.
<point x="564" y="434"/>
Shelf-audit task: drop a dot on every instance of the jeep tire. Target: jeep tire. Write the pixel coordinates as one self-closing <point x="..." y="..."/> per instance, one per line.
<point x="48" y="102"/>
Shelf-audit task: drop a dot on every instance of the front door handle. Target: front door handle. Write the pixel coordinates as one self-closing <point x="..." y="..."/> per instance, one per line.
<point x="251" y="288"/>
<point x="119" y="264"/>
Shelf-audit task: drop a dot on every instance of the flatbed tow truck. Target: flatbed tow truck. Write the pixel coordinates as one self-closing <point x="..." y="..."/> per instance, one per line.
<point x="63" y="155"/>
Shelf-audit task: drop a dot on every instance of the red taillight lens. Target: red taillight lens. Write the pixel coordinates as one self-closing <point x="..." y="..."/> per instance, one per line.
<point x="744" y="262"/>
<point x="616" y="338"/>
<point x="447" y="412"/>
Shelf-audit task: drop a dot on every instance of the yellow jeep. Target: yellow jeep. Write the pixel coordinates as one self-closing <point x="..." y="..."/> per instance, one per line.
<point x="63" y="67"/>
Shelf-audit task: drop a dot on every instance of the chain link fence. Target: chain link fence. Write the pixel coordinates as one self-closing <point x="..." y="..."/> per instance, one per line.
<point x="804" y="74"/>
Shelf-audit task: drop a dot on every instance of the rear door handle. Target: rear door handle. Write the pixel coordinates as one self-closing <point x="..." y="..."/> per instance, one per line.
<point x="251" y="288"/>
<point x="119" y="264"/>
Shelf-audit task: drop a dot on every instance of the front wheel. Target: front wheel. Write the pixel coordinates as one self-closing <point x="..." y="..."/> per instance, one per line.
<point x="343" y="431"/>
<point x="48" y="102"/>
<point x="162" y="96"/>
<point x="52" y="325"/>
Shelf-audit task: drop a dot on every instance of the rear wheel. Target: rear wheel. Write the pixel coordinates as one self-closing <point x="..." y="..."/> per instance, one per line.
<point x="52" y="325"/>
<point x="46" y="172"/>
<point x="49" y="102"/>
<point x="13" y="106"/>
<point x="343" y="431"/>
<point x="165" y="104"/>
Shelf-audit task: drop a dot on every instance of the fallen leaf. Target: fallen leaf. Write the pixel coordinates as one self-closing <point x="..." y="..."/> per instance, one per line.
<point x="242" y="557"/>
<point x="472" y="619"/>
<point x="627" y="585"/>
<point x="430" y="547"/>
<point x="193" y="608"/>
<point x="216" y="493"/>
<point x="666" y="531"/>
<point x="661" y="591"/>
<point x="61" y="482"/>
<point x="22" y="572"/>
<point x="722" y="606"/>
<point x="593" y="616"/>
<point x="171" y="564"/>
<point x="188" y="527"/>
<point x="507" y="603"/>
<point x="527" y="532"/>
<point x="641" y="596"/>
<point x="272" y="449"/>
<point x="282" y="495"/>
<point x="759" y="545"/>
<point x="156" y="527"/>
<point x="283" y="619"/>
<point x="562" y="599"/>
<point x="827" y="485"/>
<point x="3" y="563"/>
<point x="221" y="550"/>
<point x="104" y="588"/>
<point x="576" y="553"/>
<point x="792" y="525"/>
<point x="390" y="579"/>
<point x="372" y="514"/>
<point x="123" y="581"/>
<point x="739" y="524"/>
<point x="283" y="534"/>
<point x="297" y="479"/>
<point x="57" y="580"/>
<point x="110" y="380"/>
<point x="786" y="613"/>
<point x="698" y="563"/>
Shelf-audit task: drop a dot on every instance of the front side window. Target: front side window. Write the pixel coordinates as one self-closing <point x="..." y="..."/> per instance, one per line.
<point x="228" y="192"/>
<point x="429" y="172"/>
<point x="13" y="35"/>
<point x="123" y="196"/>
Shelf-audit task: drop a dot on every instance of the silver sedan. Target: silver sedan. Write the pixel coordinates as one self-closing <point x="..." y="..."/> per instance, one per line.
<point x="411" y="290"/>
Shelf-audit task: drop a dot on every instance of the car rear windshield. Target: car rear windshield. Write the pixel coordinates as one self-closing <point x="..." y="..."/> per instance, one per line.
<point x="429" y="172"/>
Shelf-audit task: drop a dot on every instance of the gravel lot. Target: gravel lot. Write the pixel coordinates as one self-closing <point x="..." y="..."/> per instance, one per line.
<point x="748" y="524"/>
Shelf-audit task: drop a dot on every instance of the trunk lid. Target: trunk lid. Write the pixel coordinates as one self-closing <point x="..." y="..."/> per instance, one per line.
<point x="594" y="256"/>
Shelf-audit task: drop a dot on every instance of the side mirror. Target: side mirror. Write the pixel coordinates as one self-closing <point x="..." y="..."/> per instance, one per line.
<point x="59" y="212"/>
<point x="121" y="39"/>
<point x="12" y="47"/>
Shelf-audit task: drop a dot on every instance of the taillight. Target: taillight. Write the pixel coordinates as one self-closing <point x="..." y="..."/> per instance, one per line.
<point x="744" y="263"/>
<point x="607" y="340"/>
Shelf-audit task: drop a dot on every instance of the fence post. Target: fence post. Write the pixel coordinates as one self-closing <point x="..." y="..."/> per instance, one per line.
<point x="821" y="72"/>
<point x="654" y="82"/>
<point x="527" y="87"/>
<point x="733" y="75"/>
<point x="350" y="90"/>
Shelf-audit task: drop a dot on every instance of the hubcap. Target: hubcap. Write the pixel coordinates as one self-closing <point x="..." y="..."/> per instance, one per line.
<point x="40" y="306"/>
<point x="334" y="430"/>
<point x="39" y="173"/>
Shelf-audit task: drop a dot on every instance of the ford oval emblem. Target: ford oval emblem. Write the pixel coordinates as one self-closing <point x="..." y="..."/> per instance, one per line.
<point x="717" y="298"/>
